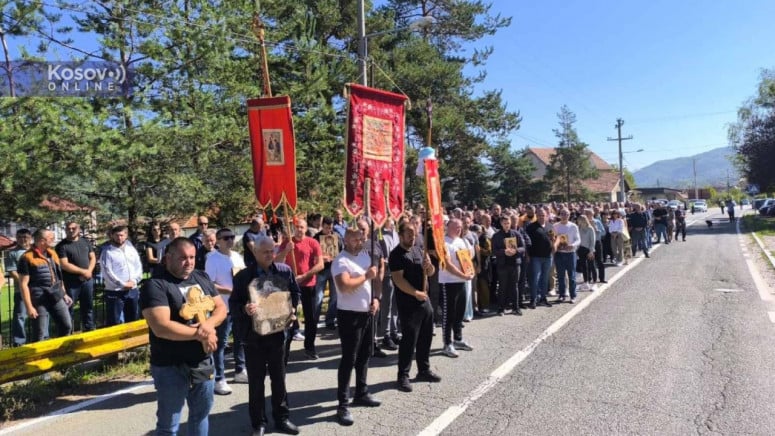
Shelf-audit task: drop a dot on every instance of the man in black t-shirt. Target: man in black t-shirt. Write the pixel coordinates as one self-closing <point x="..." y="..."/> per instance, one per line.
<point x="181" y="351"/>
<point x="540" y="251"/>
<point x="409" y="270"/>
<point x="78" y="260"/>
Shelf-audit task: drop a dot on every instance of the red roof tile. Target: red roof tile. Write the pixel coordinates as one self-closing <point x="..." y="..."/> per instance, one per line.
<point x="545" y="156"/>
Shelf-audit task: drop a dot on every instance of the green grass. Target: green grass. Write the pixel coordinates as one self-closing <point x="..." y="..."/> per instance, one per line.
<point x="764" y="226"/>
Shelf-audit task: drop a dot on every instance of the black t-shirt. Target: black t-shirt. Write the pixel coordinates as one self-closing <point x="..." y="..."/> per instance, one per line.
<point x="410" y="263"/>
<point x="168" y="291"/>
<point x="541" y="243"/>
<point x="156" y="249"/>
<point x="76" y="253"/>
<point x="660" y="216"/>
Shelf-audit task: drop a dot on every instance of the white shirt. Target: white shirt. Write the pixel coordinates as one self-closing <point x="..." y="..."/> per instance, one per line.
<point x="356" y="266"/>
<point x="572" y="232"/>
<point x="616" y="225"/>
<point x="120" y="265"/>
<point x="220" y="268"/>
<point x="452" y="245"/>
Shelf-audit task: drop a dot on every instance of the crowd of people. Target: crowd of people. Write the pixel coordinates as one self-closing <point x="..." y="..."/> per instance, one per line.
<point x="389" y="289"/>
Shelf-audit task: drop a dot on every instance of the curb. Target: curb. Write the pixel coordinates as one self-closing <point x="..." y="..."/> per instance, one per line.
<point x="764" y="250"/>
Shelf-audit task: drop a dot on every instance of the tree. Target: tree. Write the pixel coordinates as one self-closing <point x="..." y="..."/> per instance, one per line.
<point x="570" y="164"/>
<point x="512" y="182"/>
<point x="753" y="136"/>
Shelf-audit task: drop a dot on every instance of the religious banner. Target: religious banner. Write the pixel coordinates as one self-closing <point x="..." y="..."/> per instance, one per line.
<point x="274" y="151"/>
<point x="435" y="209"/>
<point x="375" y="153"/>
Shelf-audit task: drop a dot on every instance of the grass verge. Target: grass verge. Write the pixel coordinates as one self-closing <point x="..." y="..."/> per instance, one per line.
<point x="40" y="395"/>
<point x="764" y="226"/>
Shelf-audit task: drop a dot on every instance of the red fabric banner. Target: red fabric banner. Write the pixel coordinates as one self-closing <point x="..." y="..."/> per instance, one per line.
<point x="274" y="151"/>
<point x="435" y="209"/>
<point x="375" y="153"/>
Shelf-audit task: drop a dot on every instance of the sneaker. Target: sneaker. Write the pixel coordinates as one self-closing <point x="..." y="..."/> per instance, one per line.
<point x="545" y="302"/>
<point x="450" y="351"/>
<point x="343" y="416"/>
<point x="591" y="288"/>
<point x="561" y="298"/>
<point x="311" y="354"/>
<point x="403" y="384"/>
<point x="500" y="313"/>
<point x="428" y="376"/>
<point x="388" y="344"/>
<point x="378" y="353"/>
<point x="532" y="305"/>
<point x="618" y="264"/>
<point x="583" y="287"/>
<point x="552" y="293"/>
<point x="462" y="345"/>
<point x="572" y="301"/>
<point x="299" y="336"/>
<point x="366" y="400"/>
<point x="241" y="377"/>
<point x="222" y="388"/>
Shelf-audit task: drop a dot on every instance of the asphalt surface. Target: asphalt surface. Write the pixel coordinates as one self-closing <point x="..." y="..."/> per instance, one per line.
<point x="680" y="343"/>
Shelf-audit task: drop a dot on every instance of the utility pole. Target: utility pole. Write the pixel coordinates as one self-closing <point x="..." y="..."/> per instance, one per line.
<point x="362" y="43"/>
<point x="619" y="124"/>
<point x="694" y="167"/>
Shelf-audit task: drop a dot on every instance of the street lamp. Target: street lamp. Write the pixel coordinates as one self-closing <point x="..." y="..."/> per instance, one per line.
<point x="363" y="38"/>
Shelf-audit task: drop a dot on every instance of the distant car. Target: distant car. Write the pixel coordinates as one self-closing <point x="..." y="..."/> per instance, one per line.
<point x="745" y="202"/>
<point x="759" y="202"/>
<point x="675" y="204"/>
<point x="700" y="206"/>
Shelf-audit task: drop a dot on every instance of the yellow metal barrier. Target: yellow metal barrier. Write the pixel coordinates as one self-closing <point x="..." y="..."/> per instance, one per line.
<point x="39" y="357"/>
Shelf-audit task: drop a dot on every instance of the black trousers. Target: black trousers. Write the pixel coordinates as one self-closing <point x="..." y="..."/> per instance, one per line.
<point x="600" y="273"/>
<point x="453" y="298"/>
<point x="264" y="353"/>
<point x="680" y="228"/>
<point x="311" y="316"/>
<point x="417" y="335"/>
<point x="508" y="291"/>
<point x="356" y="332"/>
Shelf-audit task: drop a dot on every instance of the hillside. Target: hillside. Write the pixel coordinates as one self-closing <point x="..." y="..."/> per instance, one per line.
<point x="712" y="167"/>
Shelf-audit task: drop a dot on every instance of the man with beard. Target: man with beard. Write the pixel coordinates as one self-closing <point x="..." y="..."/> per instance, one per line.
<point x="181" y="350"/>
<point x="409" y="271"/>
<point x="540" y="253"/>
<point x="354" y="276"/>
<point x="122" y="270"/>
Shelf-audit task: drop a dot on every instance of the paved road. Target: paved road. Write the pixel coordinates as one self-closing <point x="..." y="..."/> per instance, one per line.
<point x="661" y="351"/>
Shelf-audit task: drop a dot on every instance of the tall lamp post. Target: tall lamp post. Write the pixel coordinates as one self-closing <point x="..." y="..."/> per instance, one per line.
<point x="363" y="38"/>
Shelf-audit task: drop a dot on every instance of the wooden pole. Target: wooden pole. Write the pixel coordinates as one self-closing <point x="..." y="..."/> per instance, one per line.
<point x="259" y="31"/>
<point x="290" y="236"/>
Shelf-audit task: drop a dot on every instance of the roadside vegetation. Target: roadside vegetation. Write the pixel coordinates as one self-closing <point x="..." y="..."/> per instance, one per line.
<point x="763" y="226"/>
<point x="40" y="395"/>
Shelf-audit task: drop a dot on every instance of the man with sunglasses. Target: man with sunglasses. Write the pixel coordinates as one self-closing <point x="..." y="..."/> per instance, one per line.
<point x="198" y="240"/>
<point x="221" y="265"/>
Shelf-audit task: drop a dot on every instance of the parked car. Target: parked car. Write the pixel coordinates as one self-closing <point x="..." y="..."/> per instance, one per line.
<point x="700" y="206"/>
<point x="759" y="202"/>
<point x="766" y="206"/>
<point x="745" y="202"/>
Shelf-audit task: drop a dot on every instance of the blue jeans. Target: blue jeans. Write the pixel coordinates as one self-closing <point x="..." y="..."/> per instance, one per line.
<point x="19" y="320"/>
<point x="540" y="268"/>
<point x="121" y="306"/>
<point x="566" y="264"/>
<point x="661" y="231"/>
<point x="323" y="278"/>
<point x="223" y="331"/>
<point x="84" y="295"/>
<point x="173" y="389"/>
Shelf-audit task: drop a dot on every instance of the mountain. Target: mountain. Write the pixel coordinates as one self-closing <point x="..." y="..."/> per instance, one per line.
<point x="712" y="167"/>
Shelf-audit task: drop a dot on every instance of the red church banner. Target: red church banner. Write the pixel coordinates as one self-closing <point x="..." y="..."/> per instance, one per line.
<point x="274" y="151"/>
<point x="375" y="153"/>
<point x="435" y="209"/>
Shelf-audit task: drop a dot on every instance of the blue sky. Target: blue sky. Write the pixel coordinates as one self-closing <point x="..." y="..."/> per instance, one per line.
<point x="675" y="71"/>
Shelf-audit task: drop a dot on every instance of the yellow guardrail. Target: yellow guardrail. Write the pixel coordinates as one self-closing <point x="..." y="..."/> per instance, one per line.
<point x="39" y="357"/>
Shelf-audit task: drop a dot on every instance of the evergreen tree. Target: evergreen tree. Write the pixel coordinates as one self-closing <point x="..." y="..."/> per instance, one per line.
<point x="570" y="164"/>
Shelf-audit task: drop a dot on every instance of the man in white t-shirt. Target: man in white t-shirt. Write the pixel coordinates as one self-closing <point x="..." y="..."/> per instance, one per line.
<point x="566" y="243"/>
<point x="452" y="282"/>
<point x="356" y="306"/>
<point x="221" y="265"/>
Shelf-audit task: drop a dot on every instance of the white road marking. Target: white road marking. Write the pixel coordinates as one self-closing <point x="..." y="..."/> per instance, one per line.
<point x="761" y="286"/>
<point x="445" y="419"/>
<point x="728" y="290"/>
<point x="772" y="316"/>
<point x="74" y="408"/>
